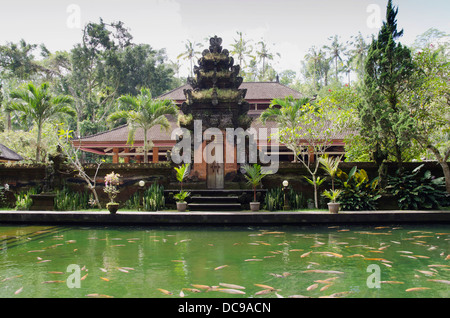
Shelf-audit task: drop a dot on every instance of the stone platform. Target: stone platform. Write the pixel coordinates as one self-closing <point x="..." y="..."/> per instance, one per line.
<point x="223" y="218"/>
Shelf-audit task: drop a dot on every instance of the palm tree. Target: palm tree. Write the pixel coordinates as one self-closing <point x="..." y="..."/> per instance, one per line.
<point x="39" y="105"/>
<point x="190" y="53"/>
<point x="145" y="113"/>
<point x="335" y="49"/>
<point x="316" y="57"/>
<point x="358" y="53"/>
<point x="263" y="54"/>
<point x="241" y="49"/>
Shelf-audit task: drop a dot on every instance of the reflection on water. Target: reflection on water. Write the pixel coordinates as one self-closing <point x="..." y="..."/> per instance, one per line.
<point x="283" y="261"/>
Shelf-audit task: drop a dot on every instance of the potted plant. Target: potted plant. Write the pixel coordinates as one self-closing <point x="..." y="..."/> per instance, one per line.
<point x="333" y="206"/>
<point x="254" y="175"/>
<point x="181" y="200"/>
<point x="182" y="173"/>
<point x="111" y="183"/>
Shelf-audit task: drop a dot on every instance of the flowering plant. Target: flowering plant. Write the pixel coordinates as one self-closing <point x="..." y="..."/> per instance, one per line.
<point x="111" y="183"/>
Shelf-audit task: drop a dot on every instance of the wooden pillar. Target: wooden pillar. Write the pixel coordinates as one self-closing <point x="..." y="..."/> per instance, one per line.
<point x="127" y="159"/>
<point x="115" y="155"/>
<point x="155" y="156"/>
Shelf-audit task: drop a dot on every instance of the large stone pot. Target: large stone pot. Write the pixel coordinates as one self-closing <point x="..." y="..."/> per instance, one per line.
<point x="181" y="206"/>
<point x="333" y="207"/>
<point x="112" y="207"/>
<point x="254" y="206"/>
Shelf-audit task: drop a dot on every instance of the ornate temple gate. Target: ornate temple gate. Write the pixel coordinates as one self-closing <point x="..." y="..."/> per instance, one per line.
<point x="215" y="170"/>
<point x="217" y="102"/>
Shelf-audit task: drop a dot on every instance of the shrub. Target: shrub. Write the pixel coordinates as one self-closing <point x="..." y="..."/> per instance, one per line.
<point x="414" y="192"/>
<point x="358" y="192"/>
<point x="274" y="200"/>
<point x="68" y="200"/>
<point x="24" y="200"/>
<point x="152" y="199"/>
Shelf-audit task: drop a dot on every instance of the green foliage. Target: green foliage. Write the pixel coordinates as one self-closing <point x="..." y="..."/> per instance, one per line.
<point x="24" y="200"/>
<point x="332" y="194"/>
<point x="181" y="196"/>
<point x="152" y="199"/>
<point x="418" y="192"/>
<point x="274" y="200"/>
<point x="358" y="192"/>
<point x="254" y="176"/>
<point x="69" y="200"/>
<point x="385" y="123"/>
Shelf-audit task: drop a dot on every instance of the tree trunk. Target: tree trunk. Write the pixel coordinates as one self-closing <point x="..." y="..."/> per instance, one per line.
<point x="38" y="143"/>
<point x="316" y="201"/>
<point x="145" y="147"/>
<point x="444" y="164"/>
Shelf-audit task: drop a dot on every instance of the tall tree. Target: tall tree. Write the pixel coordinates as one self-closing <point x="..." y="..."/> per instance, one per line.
<point x="190" y="54"/>
<point x="428" y="103"/>
<point x="241" y="49"/>
<point x="384" y="121"/>
<point x="264" y="55"/>
<point x="336" y="50"/>
<point x="306" y="128"/>
<point x="145" y="113"/>
<point x="358" y="54"/>
<point x="40" y="105"/>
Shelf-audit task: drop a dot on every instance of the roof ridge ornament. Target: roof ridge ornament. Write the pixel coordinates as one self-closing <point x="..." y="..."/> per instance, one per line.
<point x="215" y="44"/>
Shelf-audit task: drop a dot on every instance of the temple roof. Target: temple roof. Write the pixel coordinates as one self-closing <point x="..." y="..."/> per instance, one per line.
<point x="255" y="91"/>
<point x="8" y="154"/>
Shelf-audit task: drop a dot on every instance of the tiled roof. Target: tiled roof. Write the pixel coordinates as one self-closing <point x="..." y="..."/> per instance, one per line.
<point x="255" y="91"/>
<point x="8" y="154"/>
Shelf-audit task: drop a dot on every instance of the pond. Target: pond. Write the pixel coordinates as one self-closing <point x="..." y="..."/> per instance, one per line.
<point x="395" y="261"/>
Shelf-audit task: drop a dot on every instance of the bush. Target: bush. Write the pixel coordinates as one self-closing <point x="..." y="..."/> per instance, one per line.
<point x="274" y="200"/>
<point x="152" y="199"/>
<point x="358" y="192"/>
<point x="67" y="200"/>
<point x="414" y="192"/>
<point x="24" y="200"/>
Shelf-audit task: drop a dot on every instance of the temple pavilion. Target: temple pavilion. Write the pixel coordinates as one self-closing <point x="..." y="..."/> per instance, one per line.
<point x="218" y="98"/>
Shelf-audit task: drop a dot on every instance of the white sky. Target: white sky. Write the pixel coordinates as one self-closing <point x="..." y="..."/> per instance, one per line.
<point x="291" y="27"/>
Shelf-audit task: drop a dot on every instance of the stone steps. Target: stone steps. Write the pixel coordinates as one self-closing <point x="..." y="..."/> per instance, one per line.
<point x="214" y="200"/>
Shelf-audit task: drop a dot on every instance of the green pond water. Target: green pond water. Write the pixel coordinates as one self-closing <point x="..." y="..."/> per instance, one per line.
<point x="283" y="261"/>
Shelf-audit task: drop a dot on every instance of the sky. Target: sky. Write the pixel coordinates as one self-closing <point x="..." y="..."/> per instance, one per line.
<point x="289" y="27"/>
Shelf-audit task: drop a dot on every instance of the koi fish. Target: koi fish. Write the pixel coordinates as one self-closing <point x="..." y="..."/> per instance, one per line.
<point x="193" y="290"/>
<point x="201" y="286"/>
<point x="44" y="261"/>
<point x="329" y="254"/>
<point x="105" y="279"/>
<point x="391" y="282"/>
<point x="416" y="289"/>
<point x="220" y="267"/>
<point x="233" y="286"/>
<point x="53" y="281"/>
<point x="264" y="292"/>
<point x="99" y="295"/>
<point x="322" y="271"/>
<point x="18" y="291"/>
<point x="264" y="286"/>
<point x="312" y="287"/>
<point x="253" y="260"/>
<point x="166" y="292"/>
<point x="305" y="254"/>
<point x="231" y="291"/>
<point x="440" y="281"/>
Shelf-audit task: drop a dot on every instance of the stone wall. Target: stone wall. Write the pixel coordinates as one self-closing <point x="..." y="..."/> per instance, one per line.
<point x="22" y="177"/>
